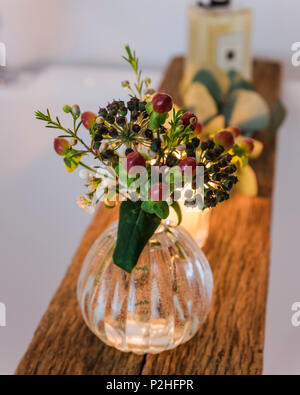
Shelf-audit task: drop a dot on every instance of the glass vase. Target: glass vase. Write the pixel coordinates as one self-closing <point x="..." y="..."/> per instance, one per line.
<point x="156" y="307"/>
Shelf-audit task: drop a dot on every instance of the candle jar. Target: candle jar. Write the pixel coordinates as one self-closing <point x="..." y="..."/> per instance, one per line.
<point x="196" y="222"/>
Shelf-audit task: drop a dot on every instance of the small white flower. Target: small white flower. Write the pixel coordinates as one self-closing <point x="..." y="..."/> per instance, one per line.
<point x="104" y="145"/>
<point x="108" y="178"/>
<point x="85" y="204"/>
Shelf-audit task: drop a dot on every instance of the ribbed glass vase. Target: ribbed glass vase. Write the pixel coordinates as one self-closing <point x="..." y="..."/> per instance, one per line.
<point x="160" y="305"/>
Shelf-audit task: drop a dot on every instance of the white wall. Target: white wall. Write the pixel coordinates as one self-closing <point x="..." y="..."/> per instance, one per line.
<point x="95" y="30"/>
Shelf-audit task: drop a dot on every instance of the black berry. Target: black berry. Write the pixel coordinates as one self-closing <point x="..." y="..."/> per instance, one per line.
<point x="195" y="142"/>
<point x="142" y="106"/>
<point x="171" y="160"/>
<point x="123" y="111"/>
<point x="121" y="120"/>
<point x="102" y="112"/>
<point x="210" y="144"/>
<point x="136" y="128"/>
<point x="189" y="147"/>
<point x="113" y="132"/>
<point x="204" y="145"/>
<point x="148" y="134"/>
<point x="128" y="151"/>
<point x="110" y="119"/>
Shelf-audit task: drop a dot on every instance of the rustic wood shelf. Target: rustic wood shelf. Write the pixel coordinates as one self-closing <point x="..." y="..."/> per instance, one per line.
<point x="238" y="247"/>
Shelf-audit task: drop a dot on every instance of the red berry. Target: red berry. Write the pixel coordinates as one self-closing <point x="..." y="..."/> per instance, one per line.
<point x="134" y="159"/>
<point x="88" y="119"/>
<point x="189" y="119"/>
<point x="157" y="193"/>
<point x="162" y="103"/>
<point x="186" y="163"/>
<point x="248" y="145"/>
<point x="224" y="138"/>
<point x="235" y="130"/>
<point x="61" y="146"/>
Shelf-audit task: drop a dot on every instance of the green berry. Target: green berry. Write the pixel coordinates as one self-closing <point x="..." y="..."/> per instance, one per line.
<point x="67" y="109"/>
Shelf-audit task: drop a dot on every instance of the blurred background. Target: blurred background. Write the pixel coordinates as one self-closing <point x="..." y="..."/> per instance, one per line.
<point x="69" y="51"/>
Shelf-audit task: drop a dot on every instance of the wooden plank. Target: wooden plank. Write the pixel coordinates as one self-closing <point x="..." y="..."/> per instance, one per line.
<point x="231" y="341"/>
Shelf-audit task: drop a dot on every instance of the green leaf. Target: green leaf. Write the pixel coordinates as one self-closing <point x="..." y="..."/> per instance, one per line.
<point x="238" y="82"/>
<point x="227" y="109"/>
<point x="176" y="207"/>
<point x="161" y="209"/>
<point x="72" y="160"/>
<point x="206" y="78"/>
<point x="277" y="116"/>
<point x="148" y="206"/>
<point x="253" y="125"/>
<point x="135" y="229"/>
<point x="156" y="120"/>
<point x="238" y="151"/>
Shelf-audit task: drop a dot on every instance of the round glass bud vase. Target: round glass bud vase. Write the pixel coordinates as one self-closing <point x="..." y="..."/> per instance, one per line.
<point x="158" y="306"/>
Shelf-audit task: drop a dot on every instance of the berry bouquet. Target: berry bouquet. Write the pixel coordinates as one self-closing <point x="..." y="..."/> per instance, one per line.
<point x="137" y="153"/>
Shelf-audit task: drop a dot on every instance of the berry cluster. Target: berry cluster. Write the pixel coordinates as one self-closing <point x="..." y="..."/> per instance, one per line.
<point x="149" y="131"/>
<point x="122" y="124"/>
<point x="219" y="177"/>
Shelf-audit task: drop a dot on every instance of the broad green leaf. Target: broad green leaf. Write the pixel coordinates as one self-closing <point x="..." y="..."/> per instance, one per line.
<point x="207" y="78"/>
<point x="148" y="206"/>
<point x="135" y="229"/>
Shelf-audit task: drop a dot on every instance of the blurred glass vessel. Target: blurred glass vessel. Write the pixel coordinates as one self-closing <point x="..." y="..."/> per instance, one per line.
<point x="160" y="305"/>
<point x="219" y="35"/>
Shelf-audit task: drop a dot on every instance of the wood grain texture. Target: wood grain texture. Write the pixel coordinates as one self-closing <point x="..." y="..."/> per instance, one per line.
<point x="231" y="341"/>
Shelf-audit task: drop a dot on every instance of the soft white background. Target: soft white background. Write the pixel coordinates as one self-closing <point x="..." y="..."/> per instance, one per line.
<point x="40" y="225"/>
